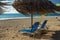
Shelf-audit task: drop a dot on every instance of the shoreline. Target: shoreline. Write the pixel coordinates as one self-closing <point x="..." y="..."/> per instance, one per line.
<point x="27" y="17"/>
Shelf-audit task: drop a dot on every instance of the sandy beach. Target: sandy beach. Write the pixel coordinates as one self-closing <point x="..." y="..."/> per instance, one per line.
<point x="9" y="29"/>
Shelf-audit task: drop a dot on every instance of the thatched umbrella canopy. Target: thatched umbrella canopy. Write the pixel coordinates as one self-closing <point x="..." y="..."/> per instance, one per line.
<point x="35" y="6"/>
<point x="27" y="7"/>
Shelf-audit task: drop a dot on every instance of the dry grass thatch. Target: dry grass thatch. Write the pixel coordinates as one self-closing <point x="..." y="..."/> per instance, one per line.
<point x="35" y="6"/>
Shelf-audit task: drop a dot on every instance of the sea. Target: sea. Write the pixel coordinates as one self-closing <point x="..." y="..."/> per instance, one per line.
<point x="21" y="16"/>
<point x="11" y="15"/>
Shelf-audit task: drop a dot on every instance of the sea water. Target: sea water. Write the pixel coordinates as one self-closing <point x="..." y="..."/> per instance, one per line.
<point x="21" y="15"/>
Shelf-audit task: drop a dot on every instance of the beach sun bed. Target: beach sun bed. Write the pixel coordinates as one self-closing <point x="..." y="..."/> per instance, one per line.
<point x="34" y="27"/>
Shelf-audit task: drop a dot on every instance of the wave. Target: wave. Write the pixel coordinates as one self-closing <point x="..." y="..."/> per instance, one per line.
<point x="25" y="17"/>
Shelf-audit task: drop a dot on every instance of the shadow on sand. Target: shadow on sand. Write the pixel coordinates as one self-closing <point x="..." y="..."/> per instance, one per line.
<point x="37" y="35"/>
<point x="56" y="36"/>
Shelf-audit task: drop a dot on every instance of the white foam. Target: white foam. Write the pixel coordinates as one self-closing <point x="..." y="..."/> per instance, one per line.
<point x="24" y="17"/>
<point x="13" y="18"/>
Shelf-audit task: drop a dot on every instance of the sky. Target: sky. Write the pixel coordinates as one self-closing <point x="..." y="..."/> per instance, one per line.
<point x="55" y="1"/>
<point x="9" y="9"/>
<point x="12" y="10"/>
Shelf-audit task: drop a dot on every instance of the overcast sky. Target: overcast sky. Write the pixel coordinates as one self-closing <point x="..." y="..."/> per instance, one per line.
<point x="55" y="1"/>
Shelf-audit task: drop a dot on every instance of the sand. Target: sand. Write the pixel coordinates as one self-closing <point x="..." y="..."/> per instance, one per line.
<point x="9" y="29"/>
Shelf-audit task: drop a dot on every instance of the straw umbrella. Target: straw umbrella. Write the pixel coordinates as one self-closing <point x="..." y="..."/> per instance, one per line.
<point x="42" y="7"/>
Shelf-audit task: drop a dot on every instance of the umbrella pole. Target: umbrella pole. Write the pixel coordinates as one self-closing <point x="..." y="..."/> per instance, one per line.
<point x="32" y="19"/>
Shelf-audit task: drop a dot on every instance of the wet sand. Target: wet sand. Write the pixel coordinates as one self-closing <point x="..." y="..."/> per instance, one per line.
<point x="9" y="29"/>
